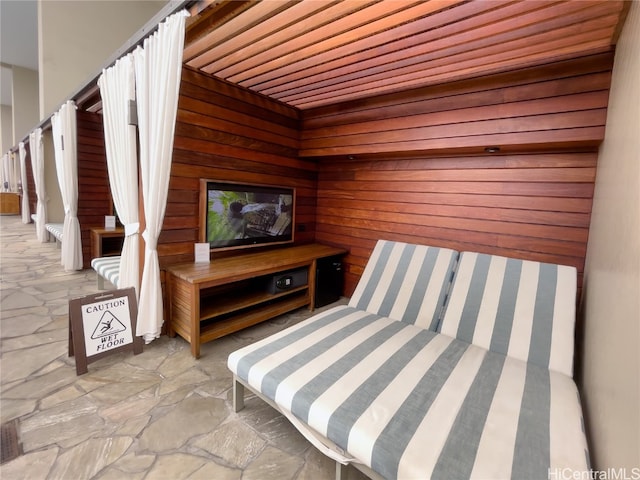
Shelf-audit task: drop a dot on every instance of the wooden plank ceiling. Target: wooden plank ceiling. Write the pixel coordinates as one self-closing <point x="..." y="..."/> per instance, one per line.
<point x="312" y="53"/>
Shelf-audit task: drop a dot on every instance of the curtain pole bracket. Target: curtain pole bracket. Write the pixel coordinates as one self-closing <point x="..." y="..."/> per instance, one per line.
<point x="133" y="113"/>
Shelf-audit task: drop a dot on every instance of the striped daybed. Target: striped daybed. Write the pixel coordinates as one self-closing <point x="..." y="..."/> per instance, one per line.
<point x="55" y="229"/>
<point x="442" y="365"/>
<point x="107" y="268"/>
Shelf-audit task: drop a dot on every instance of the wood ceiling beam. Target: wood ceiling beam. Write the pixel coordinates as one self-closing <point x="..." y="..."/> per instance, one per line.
<point x="207" y="15"/>
<point x="310" y="53"/>
<point x="251" y="42"/>
<point x="253" y="13"/>
<point x="478" y="43"/>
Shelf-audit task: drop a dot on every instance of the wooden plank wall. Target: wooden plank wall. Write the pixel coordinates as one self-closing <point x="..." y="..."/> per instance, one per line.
<point x="561" y="105"/>
<point x="94" y="195"/>
<point x="31" y="183"/>
<point x="227" y="133"/>
<point x="400" y="176"/>
<point x="525" y="206"/>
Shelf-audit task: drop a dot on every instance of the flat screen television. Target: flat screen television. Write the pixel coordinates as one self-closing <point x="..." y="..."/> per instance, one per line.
<point x="237" y="215"/>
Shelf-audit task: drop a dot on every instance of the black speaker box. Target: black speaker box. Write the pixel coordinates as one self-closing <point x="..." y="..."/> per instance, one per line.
<point x="288" y="280"/>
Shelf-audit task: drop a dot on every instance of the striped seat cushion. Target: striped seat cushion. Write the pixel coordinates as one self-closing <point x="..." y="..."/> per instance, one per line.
<point x="411" y="403"/>
<point x="519" y="308"/>
<point x="55" y="229"/>
<point x="108" y="268"/>
<point x="405" y="282"/>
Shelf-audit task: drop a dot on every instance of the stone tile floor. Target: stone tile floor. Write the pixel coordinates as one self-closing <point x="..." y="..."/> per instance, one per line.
<point x="158" y="415"/>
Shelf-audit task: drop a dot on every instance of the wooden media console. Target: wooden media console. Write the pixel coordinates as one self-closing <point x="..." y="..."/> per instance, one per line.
<point x="210" y="300"/>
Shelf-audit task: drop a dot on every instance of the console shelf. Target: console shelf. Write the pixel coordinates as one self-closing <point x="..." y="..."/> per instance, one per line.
<point x="216" y="306"/>
<point x="210" y="300"/>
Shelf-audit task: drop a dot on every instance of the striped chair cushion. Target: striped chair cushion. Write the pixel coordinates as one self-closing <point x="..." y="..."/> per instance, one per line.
<point x="410" y="403"/>
<point x="405" y="282"/>
<point x="107" y="267"/>
<point x="55" y="229"/>
<point x="520" y="308"/>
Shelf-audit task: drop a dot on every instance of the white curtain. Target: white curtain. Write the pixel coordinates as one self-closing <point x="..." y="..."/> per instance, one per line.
<point x="36" y="149"/>
<point x="9" y="174"/>
<point x="117" y="88"/>
<point x="158" y="67"/>
<point x="26" y="211"/>
<point x="64" y="126"/>
<point x="14" y="172"/>
<point x="4" y="173"/>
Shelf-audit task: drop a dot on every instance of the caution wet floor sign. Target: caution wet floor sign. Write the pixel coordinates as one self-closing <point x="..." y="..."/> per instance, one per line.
<point x="110" y="323"/>
<point x="101" y="324"/>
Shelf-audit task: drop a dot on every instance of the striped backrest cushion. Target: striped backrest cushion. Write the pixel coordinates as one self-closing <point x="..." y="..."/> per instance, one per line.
<point x="108" y="268"/>
<point x="519" y="308"/>
<point x="55" y="229"/>
<point x="406" y="282"/>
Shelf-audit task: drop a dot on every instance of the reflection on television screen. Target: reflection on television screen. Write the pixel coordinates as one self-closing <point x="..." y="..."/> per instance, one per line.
<point x="246" y="215"/>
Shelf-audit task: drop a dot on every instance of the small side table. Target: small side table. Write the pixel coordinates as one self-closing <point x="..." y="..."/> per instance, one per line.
<point x="106" y="242"/>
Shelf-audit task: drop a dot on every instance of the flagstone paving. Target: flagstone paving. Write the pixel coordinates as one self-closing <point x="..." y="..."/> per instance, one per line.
<point x="158" y="415"/>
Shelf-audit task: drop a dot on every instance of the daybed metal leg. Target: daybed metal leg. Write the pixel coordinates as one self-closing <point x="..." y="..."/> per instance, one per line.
<point x="238" y="395"/>
<point x="100" y="282"/>
<point x="342" y="471"/>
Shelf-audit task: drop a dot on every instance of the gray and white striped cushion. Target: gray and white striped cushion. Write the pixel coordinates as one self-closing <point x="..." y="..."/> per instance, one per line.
<point x="411" y="403"/>
<point x="405" y="282"/>
<point x="520" y="308"/>
<point x="55" y="229"/>
<point x="108" y="268"/>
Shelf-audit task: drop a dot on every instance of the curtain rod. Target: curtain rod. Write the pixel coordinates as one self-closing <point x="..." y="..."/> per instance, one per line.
<point x="130" y="45"/>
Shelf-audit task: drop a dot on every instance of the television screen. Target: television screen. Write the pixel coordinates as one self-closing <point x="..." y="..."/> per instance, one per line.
<point x="243" y="215"/>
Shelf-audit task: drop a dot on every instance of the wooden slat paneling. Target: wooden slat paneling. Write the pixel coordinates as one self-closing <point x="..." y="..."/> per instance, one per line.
<point x="94" y="195"/>
<point x="227" y="133"/>
<point x="559" y="105"/>
<point x="411" y="166"/>
<point x="31" y="183"/>
<point x="310" y="54"/>
<point x="503" y="205"/>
